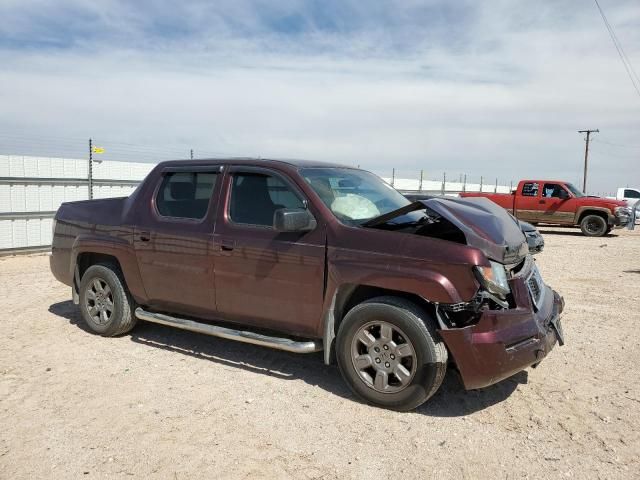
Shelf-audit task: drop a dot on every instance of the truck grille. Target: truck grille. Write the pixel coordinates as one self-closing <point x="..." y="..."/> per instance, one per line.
<point x="536" y="286"/>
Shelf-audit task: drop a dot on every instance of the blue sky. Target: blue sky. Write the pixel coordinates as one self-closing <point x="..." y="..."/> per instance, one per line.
<point x="496" y="88"/>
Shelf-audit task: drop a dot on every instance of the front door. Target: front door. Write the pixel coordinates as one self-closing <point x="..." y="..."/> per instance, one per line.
<point x="264" y="277"/>
<point x="174" y="244"/>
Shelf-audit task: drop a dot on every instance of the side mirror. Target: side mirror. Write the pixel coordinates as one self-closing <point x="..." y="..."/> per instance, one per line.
<point x="563" y="195"/>
<point x="293" y="220"/>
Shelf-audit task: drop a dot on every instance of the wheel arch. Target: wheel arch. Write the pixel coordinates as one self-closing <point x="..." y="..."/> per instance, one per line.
<point x="92" y="250"/>
<point x="348" y="296"/>
<point x="86" y="259"/>
<point x="601" y="212"/>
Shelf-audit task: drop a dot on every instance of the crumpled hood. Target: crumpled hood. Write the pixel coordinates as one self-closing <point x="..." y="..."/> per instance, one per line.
<point x="485" y="225"/>
<point x="603" y="202"/>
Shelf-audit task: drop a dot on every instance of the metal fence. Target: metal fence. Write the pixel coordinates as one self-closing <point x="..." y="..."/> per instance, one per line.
<point x="32" y="189"/>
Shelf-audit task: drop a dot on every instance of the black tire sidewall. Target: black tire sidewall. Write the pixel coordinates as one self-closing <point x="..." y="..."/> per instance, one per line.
<point x="426" y="374"/>
<point x="119" y="298"/>
<point x="587" y="219"/>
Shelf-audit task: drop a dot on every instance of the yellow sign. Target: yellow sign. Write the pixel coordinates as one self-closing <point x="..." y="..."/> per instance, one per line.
<point x="98" y="150"/>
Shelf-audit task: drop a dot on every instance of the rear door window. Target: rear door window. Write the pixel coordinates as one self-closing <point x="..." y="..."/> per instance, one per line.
<point x="185" y="194"/>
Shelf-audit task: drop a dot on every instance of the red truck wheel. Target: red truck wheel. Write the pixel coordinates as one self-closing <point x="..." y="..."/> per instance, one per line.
<point x="594" y="226"/>
<point x="389" y="353"/>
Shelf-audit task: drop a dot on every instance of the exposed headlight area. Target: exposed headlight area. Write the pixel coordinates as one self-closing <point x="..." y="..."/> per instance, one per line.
<point x="623" y="212"/>
<point x="494" y="279"/>
<point x="623" y="215"/>
<point x="494" y="293"/>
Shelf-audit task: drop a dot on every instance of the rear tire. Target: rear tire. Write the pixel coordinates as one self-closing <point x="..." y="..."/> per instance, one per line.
<point x="106" y="306"/>
<point x="593" y="226"/>
<point x="389" y="353"/>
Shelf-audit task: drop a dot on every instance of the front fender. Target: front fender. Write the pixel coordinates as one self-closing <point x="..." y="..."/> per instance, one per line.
<point x="582" y="210"/>
<point x="402" y="275"/>
<point x="433" y="282"/>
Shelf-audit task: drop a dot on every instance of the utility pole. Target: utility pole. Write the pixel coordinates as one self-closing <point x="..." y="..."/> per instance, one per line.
<point x="586" y="156"/>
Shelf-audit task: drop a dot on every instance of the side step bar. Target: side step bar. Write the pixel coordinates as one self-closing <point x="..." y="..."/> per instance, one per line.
<point x="308" y="346"/>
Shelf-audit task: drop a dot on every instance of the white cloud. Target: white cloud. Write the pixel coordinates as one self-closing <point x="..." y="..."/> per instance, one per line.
<point x="504" y="96"/>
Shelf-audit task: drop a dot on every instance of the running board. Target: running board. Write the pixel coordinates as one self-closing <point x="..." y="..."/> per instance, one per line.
<point x="286" y="344"/>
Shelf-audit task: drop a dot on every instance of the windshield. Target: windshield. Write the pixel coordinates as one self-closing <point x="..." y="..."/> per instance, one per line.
<point x="354" y="196"/>
<point x="573" y="189"/>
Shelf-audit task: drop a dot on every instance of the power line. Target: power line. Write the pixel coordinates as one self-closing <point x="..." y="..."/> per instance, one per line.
<point x="19" y="143"/>
<point x="615" y="144"/>
<point x="606" y="153"/>
<point x="633" y="76"/>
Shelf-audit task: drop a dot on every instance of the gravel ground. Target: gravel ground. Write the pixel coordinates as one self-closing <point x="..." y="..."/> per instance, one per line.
<point x="162" y="403"/>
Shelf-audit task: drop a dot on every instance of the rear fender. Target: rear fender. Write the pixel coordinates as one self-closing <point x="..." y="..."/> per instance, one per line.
<point x="116" y="247"/>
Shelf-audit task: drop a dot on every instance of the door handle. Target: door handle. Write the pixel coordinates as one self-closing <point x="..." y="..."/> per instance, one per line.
<point x="227" y="246"/>
<point x="145" y="236"/>
<point x="542" y="202"/>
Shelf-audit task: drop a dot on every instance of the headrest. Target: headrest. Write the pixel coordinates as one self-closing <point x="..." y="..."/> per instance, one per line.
<point x="182" y="190"/>
<point x="253" y="181"/>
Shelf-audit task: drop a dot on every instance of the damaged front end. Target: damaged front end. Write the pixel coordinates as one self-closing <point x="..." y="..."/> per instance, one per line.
<point x="513" y="321"/>
<point x="490" y="342"/>
<point x="477" y="222"/>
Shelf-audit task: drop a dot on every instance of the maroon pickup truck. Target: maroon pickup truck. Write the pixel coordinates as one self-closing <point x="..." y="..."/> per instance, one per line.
<point x="555" y="202"/>
<point x="304" y="257"/>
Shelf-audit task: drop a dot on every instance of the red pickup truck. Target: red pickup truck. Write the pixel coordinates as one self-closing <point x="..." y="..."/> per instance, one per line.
<point x="303" y="257"/>
<point x="560" y="203"/>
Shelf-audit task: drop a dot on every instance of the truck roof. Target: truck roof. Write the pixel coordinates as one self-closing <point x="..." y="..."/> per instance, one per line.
<point x="297" y="163"/>
<point x="542" y="181"/>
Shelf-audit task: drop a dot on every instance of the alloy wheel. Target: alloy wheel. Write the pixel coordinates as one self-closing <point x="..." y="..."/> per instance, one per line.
<point x="383" y="357"/>
<point x="99" y="301"/>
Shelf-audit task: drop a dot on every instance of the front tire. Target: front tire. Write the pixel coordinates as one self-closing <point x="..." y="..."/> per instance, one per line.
<point x="389" y="353"/>
<point x="106" y="306"/>
<point x="594" y="226"/>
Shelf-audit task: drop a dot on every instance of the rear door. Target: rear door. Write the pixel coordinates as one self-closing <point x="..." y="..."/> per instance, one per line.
<point x="264" y="277"/>
<point x="174" y="241"/>
<point x="527" y="202"/>
<point x="558" y="204"/>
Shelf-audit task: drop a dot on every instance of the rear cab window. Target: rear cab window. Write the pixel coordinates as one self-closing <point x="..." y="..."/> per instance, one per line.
<point x="530" y="189"/>
<point x="185" y="195"/>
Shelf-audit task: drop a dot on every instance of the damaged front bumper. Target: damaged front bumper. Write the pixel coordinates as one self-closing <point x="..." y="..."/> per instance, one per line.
<point x="622" y="218"/>
<point x="504" y="342"/>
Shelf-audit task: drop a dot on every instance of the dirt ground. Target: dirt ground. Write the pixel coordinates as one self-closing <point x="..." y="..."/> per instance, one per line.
<point x="163" y="403"/>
